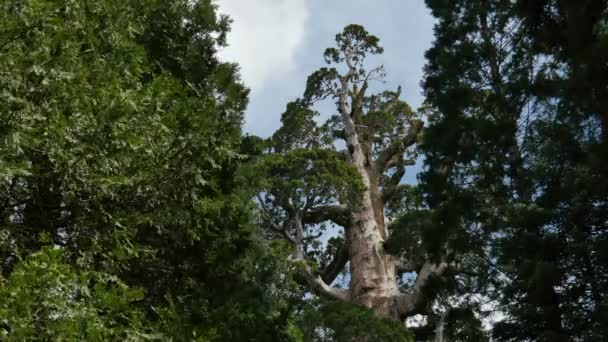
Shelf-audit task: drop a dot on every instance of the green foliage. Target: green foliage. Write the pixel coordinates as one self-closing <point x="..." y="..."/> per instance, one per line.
<point x="355" y="41"/>
<point x="333" y="321"/>
<point x="576" y="38"/>
<point x="308" y="178"/>
<point x="119" y="140"/>
<point x="321" y="84"/>
<point x="408" y="231"/>
<point x="125" y="183"/>
<point x="463" y="325"/>
<point x="515" y="159"/>
<point x="299" y="129"/>
<point x="45" y="298"/>
<point x="353" y="44"/>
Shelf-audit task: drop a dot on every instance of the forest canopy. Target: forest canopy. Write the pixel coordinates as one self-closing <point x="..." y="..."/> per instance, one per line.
<point x="134" y="206"/>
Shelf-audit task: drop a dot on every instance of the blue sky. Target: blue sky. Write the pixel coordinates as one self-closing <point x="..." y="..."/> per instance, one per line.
<point x="278" y="43"/>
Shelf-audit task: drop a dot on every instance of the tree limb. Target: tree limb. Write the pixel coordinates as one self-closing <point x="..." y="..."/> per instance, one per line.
<point x="336" y="266"/>
<point x="414" y="302"/>
<point x="397" y="148"/>
<point x="343" y="96"/>
<point x="358" y="100"/>
<point x="338" y="214"/>
<point x="339" y="133"/>
<point x="343" y="100"/>
<point x="315" y="282"/>
<point x="407" y="265"/>
<point x="393" y="102"/>
<point x="391" y="183"/>
<point x="372" y="104"/>
<point x="320" y="287"/>
<point x="398" y="160"/>
<point x="281" y="229"/>
<point x="357" y="103"/>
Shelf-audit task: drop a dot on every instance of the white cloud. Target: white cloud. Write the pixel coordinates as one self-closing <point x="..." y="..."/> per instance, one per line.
<point x="265" y="36"/>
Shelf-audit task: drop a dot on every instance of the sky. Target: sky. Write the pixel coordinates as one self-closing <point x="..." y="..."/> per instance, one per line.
<point x="278" y="43"/>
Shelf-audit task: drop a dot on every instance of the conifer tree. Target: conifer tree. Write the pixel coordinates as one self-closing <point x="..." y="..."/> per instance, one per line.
<point x="516" y="159"/>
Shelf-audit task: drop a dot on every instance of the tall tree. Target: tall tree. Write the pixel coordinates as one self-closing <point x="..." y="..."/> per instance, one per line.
<point x="310" y="182"/>
<point x="573" y="33"/>
<point x="515" y="158"/>
<point x="119" y="140"/>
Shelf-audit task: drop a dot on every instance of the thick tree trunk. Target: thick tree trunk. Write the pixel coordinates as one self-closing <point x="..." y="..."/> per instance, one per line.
<point x="373" y="271"/>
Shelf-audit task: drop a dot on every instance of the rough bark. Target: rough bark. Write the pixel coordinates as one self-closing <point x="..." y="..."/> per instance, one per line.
<point x="373" y="274"/>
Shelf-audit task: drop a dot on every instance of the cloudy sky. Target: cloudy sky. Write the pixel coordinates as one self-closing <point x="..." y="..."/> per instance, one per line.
<point x="278" y="43"/>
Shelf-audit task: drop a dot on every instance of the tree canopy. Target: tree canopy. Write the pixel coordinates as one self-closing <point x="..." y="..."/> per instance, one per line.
<point x="120" y="138"/>
<point x="133" y="206"/>
<point x="516" y="157"/>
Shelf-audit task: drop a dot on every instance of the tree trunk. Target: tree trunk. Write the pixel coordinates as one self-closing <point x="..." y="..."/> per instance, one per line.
<point x="373" y="281"/>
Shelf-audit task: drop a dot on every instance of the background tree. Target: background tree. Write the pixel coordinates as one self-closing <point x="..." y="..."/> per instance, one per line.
<point x="515" y="160"/>
<point x="120" y="134"/>
<point x="310" y="183"/>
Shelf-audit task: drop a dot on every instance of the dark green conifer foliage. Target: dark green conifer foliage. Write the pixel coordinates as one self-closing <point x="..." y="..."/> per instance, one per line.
<point x="516" y="159"/>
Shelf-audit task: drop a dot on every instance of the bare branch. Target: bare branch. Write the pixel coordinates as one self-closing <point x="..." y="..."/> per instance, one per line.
<point x="338" y="214"/>
<point x="319" y="287"/>
<point x="405" y="265"/>
<point x="414" y="302"/>
<point x="343" y="99"/>
<point x="376" y="74"/>
<point x="340" y="134"/>
<point x="299" y="236"/>
<point x="397" y="160"/>
<point x="336" y="266"/>
<point x="345" y="92"/>
<point x="315" y="282"/>
<point x="390" y="184"/>
<point x="397" y="148"/>
<point x="349" y="62"/>
<point x="358" y="101"/>
<point x="393" y="102"/>
<point x="281" y="229"/>
<point x="357" y="97"/>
